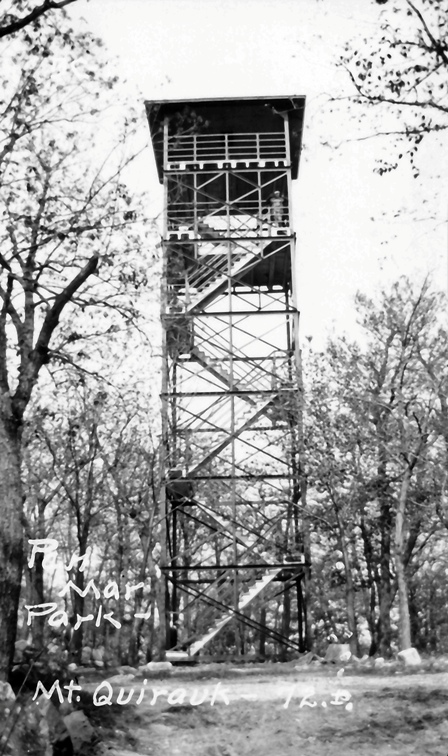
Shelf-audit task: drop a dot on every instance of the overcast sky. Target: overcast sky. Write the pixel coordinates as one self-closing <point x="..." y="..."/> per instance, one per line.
<point x="355" y="229"/>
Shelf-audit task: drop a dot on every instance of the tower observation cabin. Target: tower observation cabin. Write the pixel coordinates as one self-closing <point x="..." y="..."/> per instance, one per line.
<point x="233" y="554"/>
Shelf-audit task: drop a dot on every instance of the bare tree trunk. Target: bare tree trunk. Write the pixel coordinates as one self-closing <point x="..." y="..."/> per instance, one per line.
<point x="306" y="589"/>
<point x="370" y="591"/>
<point x="161" y="590"/>
<point x="35" y="583"/>
<point x="79" y="601"/>
<point x="384" y="587"/>
<point x="35" y="578"/>
<point x="286" y="623"/>
<point x="385" y="522"/>
<point x="11" y="536"/>
<point x="138" y="623"/>
<point x="349" y="585"/>
<point x="404" y="626"/>
<point x="78" y="609"/>
<point x="351" y="607"/>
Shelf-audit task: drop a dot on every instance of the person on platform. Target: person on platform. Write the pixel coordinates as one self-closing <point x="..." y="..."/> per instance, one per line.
<point x="276" y="208"/>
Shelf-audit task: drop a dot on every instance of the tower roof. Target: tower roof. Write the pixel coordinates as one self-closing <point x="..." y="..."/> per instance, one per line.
<point x="230" y="116"/>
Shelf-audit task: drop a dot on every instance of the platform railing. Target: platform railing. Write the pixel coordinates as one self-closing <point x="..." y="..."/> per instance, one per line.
<point x="204" y="221"/>
<point x="217" y="148"/>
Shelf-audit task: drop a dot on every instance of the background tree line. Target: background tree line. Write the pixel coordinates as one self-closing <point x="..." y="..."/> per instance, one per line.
<point x="69" y="228"/>
<point x="376" y="460"/>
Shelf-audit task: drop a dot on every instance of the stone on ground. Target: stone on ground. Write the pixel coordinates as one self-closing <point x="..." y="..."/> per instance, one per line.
<point x="338" y="652"/>
<point x="98" y="654"/>
<point x="410" y="657"/>
<point x="6" y="692"/>
<point x="86" y="655"/>
<point x="307" y="658"/>
<point x="157" y="666"/>
<point x="125" y="669"/>
<point x="121" y="679"/>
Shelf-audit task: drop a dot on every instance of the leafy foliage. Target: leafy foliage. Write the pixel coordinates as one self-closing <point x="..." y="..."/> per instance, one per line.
<point x="377" y="456"/>
<point x="404" y="71"/>
<point x="27" y="14"/>
<point x="66" y="217"/>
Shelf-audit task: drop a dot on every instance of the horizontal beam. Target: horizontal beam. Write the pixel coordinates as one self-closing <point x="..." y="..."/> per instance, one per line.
<point x="224" y="567"/>
<point x="239" y="477"/>
<point x="183" y="432"/>
<point x="234" y="313"/>
<point x="195" y="582"/>
<point x="211" y="166"/>
<point x="224" y="239"/>
<point x="285" y="353"/>
<point x="230" y="392"/>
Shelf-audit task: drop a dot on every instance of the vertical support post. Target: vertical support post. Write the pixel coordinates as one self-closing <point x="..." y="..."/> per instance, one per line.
<point x="232" y="408"/>
<point x="163" y="605"/>
<point x="298" y="453"/>
<point x="300" y="613"/>
<point x="164" y="608"/>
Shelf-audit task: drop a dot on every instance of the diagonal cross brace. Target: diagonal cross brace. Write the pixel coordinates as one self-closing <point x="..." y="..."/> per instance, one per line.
<point x="244" y="601"/>
<point x="191" y="473"/>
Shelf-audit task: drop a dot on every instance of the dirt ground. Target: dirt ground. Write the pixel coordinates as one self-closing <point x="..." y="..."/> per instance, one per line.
<point x="284" y="711"/>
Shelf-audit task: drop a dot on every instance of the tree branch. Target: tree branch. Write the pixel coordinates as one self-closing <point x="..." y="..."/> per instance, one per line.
<point x="9" y="308"/>
<point x="19" y="23"/>
<point x="52" y="317"/>
<point x="436" y="45"/>
<point x="30" y="366"/>
<point x="394" y="101"/>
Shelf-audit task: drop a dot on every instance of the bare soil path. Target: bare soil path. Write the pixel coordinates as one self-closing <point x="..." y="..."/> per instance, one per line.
<point x="285" y="712"/>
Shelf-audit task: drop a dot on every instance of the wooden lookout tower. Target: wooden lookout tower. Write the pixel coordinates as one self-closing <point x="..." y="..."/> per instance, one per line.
<point x="232" y="544"/>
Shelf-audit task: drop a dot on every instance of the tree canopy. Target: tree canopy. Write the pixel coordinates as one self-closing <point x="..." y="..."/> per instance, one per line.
<point x="377" y="457"/>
